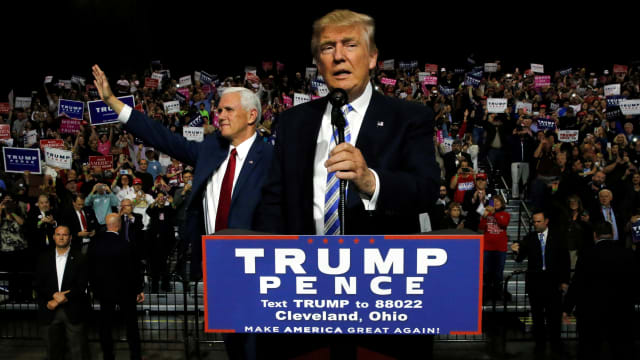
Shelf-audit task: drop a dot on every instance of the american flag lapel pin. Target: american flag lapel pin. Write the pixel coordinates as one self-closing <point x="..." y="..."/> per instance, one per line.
<point x="251" y="162"/>
<point x="380" y="123"/>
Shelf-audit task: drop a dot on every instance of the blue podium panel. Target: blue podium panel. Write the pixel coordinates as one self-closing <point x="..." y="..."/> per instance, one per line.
<point x="405" y="284"/>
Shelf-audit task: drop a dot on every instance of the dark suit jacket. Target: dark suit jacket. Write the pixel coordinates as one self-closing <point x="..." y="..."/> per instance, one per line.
<point x="557" y="261"/>
<point x="75" y="278"/>
<point x="36" y="235"/>
<point x="596" y="216"/>
<point x="603" y="285"/>
<point x="396" y="140"/>
<point x="71" y="219"/>
<point x="136" y="235"/>
<point x="206" y="157"/>
<point x="115" y="271"/>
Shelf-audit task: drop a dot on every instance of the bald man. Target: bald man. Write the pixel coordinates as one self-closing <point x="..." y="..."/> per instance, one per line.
<point x="116" y="278"/>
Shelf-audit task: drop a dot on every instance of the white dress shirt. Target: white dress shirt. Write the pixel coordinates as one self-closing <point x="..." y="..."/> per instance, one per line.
<point x="61" y="263"/>
<point x="211" y="195"/>
<point x="86" y="239"/>
<point x="324" y="147"/>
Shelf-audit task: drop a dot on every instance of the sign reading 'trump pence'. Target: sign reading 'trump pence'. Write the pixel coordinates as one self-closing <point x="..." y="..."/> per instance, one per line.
<point x="343" y="284"/>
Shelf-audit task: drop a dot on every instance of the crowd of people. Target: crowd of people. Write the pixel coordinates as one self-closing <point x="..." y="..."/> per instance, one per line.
<point x="574" y="182"/>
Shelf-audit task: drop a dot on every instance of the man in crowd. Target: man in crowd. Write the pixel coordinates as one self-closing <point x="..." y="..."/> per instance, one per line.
<point x="116" y="279"/>
<point x="102" y="201"/>
<point x="606" y="212"/>
<point x="82" y="222"/>
<point x="61" y="280"/>
<point x="548" y="271"/>
<point x="387" y="158"/>
<point x="602" y="297"/>
<point x="40" y="225"/>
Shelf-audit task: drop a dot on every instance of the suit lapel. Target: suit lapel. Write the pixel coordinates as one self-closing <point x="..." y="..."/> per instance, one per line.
<point x="309" y="124"/>
<point x="211" y="161"/>
<point x="253" y="157"/>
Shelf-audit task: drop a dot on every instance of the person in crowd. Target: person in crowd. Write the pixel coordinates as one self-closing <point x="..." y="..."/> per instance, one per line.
<point x="605" y="211"/>
<point x="439" y="208"/>
<point x="547" y="277"/>
<point x="161" y="239"/>
<point x="578" y="232"/>
<point x="143" y="174"/>
<point x="463" y="181"/>
<point x="180" y="200"/>
<point x="61" y="281"/>
<point x="132" y="229"/>
<point x="175" y="173"/>
<point x="453" y="218"/>
<point x="476" y="199"/>
<point x="81" y="221"/>
<point x="14" y="253"/>
<point x="102" y="201"/>
<point x="453" y="158"/>
<point x="604" y="313"/>
<point x="116" y="279"/>
<point x="122" y="186"/>
<point x="40" y="224"/>
<point x="493" y="224"/>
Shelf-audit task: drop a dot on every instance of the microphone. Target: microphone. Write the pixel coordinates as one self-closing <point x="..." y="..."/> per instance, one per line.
<point x="338" y="98"/>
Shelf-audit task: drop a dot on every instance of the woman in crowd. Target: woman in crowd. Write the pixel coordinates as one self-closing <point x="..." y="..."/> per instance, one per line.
<point x="453" y="218"/>
<point x="494" y="224"/>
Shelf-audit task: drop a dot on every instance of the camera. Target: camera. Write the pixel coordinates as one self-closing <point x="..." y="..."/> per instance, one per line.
<point x="123" y="172"/>
<point x="466" y="170"/>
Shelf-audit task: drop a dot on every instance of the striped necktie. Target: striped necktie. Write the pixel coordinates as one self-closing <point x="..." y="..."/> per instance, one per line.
<point x="332" y="195"/>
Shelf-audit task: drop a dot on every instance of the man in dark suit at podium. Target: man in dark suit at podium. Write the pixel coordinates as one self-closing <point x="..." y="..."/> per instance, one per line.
<point x="387" y="158"/>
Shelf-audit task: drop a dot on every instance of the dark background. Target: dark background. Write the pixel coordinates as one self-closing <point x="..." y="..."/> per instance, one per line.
<point x="66" y="38"/>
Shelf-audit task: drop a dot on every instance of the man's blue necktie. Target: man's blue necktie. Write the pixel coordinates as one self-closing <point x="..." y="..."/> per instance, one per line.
<point x="332" y="195"/>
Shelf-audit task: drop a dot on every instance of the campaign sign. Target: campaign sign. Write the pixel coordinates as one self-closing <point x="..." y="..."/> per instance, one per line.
<point x="566" y="72"/>
<point x="22" y="102"/>
<point x="432" y="68"/>
<point x="205" y="78"/>
<point x="287" y="101"/>
<point x="185" y="80"/>
<point x="100" y="113"/>
<point x="387" y="81"/>
<point x="171" y="107"/>
<point x="323" y="90"/>
<point x="48" y="79"/>
<point x="389" y="64"/>
<point x="73" y="109"/>
<point x="635" y="231"/>
<point x="19" y="160"/>
<point x="537" y="68"/>
<point x="630" y="107"/>
<point x="5" y="131"/>
<point x="614" y="100"/>
<point x="523" y="105"/>
<point x="617" y="69"/>
<point x="431" y="80"/>
<point x="546" y="124"/>
<point x="471" y="81"/>
<point x="411" y="284"/>
<point x="5" y="108"/>
<point x="613" y="89"/>
<point x="184" y="92"/>
<point x="58" y="158"/>
<point x="104" y="162"/>
<point x="446" y="91"/>
<point x="193" y="133"/>
<point x="300" y="98"/>
<point x="496" y="105"/>
<point x="310" y="73"/>
<point x="76" y="79"/>
<point x="490" y="67"/>
<point x="422" y="75"/>
<point x="51" y="143"/>
<point x="151" y="83"/>
<point x="542" y="80"/>
<point x="568" y="135"/>
<point x="69" y="126"/>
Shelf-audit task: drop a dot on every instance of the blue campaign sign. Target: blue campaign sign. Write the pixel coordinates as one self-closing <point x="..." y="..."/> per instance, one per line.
<point x="19" y="160"/>
<point x="100" y="113"/>
<point x="546" y="124"/>
<point x="73" y="109"/>
<point x="410" y="284"/>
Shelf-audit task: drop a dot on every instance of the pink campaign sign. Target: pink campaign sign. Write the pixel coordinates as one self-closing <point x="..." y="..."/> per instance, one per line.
<point x="542" y="80"/>
<point x="431" y="68"/>
<point x="70" y="126"/>
<point x="5" y="132"/>
<point x="387" y="81"/>
<point x="184" y="91"/>
<point x="431" y="80"/>
<point x="287" y="101"/>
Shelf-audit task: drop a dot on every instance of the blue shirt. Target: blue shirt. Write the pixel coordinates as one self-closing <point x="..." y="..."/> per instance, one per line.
<point x="102" y="204"/>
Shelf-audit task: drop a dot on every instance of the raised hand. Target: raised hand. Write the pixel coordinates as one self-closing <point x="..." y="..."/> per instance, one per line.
<point x="101" y="83"/>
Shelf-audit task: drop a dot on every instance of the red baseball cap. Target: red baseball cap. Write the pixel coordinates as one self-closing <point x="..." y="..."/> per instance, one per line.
<point x="481" y="176"/>
<point x="137" y="181"/>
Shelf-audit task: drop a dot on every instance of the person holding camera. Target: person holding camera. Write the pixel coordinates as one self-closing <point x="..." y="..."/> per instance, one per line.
<point x="40" y="223"/>
<point x="102" y="200"/>
<point x="462" y="181"/>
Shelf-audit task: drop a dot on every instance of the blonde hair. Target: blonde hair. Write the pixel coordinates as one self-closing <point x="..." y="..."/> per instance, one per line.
<point x="343" y="18"/>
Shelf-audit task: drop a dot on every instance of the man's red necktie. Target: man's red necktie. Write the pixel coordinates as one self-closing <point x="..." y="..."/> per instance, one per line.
<point x="84" y="221"/>
<point x="224" y="203"/>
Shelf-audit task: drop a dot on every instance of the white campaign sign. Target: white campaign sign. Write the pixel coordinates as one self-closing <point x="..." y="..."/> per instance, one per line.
<point x="193" y="133"/>
<point x="48" y="79"/>
<point x="58" y="158"/>
<point x="323" y="90"/>
<point x="537" y="68"/>
<point x="185" y="81"/>
<point x="568" y="135"/>
<point x="630" y="107"/>
<point x="310" y="73"/>
<point x="22" y="102"/>
<point x="389" y="64"/>
<point x="446" y="145"/>
<point x="576" y="108"/>
<point x="422" y="75"/>
<point x="490" y="67"/>
<point x="171" y="107"/>
<point x="613" y="89"/>
<point x="523" y="105"/>
<point x="196" y="75"/>
<point x="300" y="98"/>
<point x="496" y="106"/>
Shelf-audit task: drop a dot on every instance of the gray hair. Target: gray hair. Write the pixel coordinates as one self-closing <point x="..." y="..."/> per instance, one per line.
<point x="248" y="99"/>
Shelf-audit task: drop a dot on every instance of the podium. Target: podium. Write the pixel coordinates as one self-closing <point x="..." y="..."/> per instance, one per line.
<point x="350" y="294"/>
